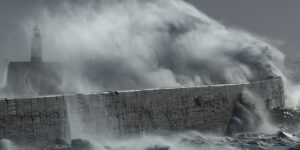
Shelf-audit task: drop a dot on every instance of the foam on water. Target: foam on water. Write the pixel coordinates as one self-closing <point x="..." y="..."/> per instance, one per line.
<point x="191" y="140"/>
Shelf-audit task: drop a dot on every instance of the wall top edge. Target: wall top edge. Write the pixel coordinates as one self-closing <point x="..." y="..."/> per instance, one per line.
<point x="141" y="90"/>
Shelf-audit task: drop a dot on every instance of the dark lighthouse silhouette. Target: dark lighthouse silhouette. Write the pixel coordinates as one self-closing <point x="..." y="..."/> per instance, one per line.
<point x="36" y="46"/>
<point x="35" y="77"/>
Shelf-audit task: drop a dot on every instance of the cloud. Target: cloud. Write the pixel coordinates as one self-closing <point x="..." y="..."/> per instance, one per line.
<point x="138" y="44"/>
<point x="150" y="44"/>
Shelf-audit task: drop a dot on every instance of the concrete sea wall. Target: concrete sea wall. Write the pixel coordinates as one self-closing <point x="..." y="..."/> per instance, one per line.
<point x="33" y="120"/>
<point x="207" y="108"/>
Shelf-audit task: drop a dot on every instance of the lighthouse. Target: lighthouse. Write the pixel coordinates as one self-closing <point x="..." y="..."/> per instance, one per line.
<point x="35" y="77"/>
<point x="36" y="45"/>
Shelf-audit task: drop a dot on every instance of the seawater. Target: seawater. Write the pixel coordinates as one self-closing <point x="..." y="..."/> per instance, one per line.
<point x="198" y="141"/>
<point x="190" y="140"/>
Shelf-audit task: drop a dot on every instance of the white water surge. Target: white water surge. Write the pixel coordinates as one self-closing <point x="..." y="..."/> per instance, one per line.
<point x="138" y="44"/>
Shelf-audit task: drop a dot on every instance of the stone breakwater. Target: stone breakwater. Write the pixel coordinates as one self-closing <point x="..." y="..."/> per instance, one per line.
<point x="42" y="120"/>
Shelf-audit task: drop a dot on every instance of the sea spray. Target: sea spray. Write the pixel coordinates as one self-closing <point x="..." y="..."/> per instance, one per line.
<point x="142" y="44"/>
<point x="6" y="144"/>
<point x="266" y="125"/>
<point x="85" y="121"/>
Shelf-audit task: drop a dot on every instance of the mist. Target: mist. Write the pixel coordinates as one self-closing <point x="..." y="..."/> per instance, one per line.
<point x="120" y="45"/>
<point x="141" y="44"/>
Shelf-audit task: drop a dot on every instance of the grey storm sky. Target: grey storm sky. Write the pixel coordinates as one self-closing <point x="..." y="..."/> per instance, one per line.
<point x="275" y="19"/>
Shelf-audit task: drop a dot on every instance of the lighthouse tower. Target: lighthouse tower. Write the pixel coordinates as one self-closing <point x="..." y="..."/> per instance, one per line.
<point x="36" y="77"/>
<point x="36" y="45"/>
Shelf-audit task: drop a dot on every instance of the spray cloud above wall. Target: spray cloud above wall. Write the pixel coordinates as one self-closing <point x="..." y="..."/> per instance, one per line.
<point x="138" y="44"/>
